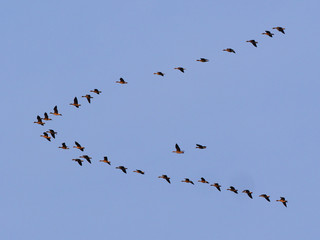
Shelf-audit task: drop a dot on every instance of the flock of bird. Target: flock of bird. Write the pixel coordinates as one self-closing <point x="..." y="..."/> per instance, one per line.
<point x="41" y="121"/>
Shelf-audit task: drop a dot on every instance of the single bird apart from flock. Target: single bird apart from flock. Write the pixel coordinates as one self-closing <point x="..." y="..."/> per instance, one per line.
<point x="280" y="29"/>
<point x="88" y="97"/>
<point x="46" y="117"/>
<point x="86" y="157"/>
<point x="121" y="81"/>
<point x="46" y="136"/>
<point x="105" y="160"/>
<point x="55" y="111"/>
<point x="265" y="196"/>
<point x="232" y="189"/>
<point x="138" y="171"/>
<point x="52" y="132"/>
<point x="248" y="193"/>
<point x="202" y="180"/>
<point x="268" y="33"/>
<point x="187" y="180"/>
<point x="229" y="50"/>
<point x="78" y="161"/>
<point x="178" y="150"/>
<point x="159" y="73"/>
<point x="39" y="121"/>
<point x="165" y="177"/>
<point x="181" y="69"/>
<point x="96" y="91"/>
<point x="217" y="186"/>
<point x="78" y="146"/>
<point x="283" y="200"/>
<point x="75" y="103"/>
<point x="203" y="60"/>
<point x="201" y="146"/>
<point x="64" y="146"/>
<point x="122" y="168"/>
<point x="253" y="42"/>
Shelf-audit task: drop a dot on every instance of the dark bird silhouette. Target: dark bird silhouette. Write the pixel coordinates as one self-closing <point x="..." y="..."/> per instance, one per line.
<point x="187" y="180"/>
<point x="217" y="186"/>
<point x="78" y="146"/>
<point x="64" y="146"/>
<point x="139" y="171"/>
<point x="203" y="60"/>
<point x="46" y="117"/>
<point x="178" y="150"/>
<point x="124" y="169"/>
<point x="86" y="157"/>
<point x="283" y="200"/>
<point x="46" y="136"/>
<point x="55" y="111"/>
<point x="181" y="69"/>
<point x="265" y="196"/>
<point x="165" y="177"/>
<point x="232" y="189"/>
<point x="202" y="180"/>
<point x="248" y="192"/>
<point x="268" y="33"/>
<point x="201" y="146"/>
<point x="78" y="161"/>
<point x="254" y="43"/>
<point x="121" y="81"/>
<point x="159" y="73"/>
<point x="75" y="103"/>
<point x="280" y="29"/>
<point x="88" y="97"/>
<point x="229" y="50"/>
<point x="105" y="160"/>
<point x="52" y="132"/>
<point x="96" y="91"/>
<point x="39" y="121"/>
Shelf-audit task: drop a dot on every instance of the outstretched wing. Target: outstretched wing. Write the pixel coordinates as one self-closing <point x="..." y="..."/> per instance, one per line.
<point x="55" y="109"/>
<point x="178" y="148"/>
<point x="78" y="145"/>
<point x="75" y="100"/>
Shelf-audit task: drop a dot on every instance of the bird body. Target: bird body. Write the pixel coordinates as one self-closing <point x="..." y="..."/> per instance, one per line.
<point x="217" y="186"/>
<point x="105" y="160"/>
<point x="268" y="33"/>
<point x="248" y="192"/>
<point x="39" y="121"/>
<point x="229" y="50"/>
<point x="201" y="146"/>
<point x="139" y="171"/>
<point x="280" y="29"/>
<point x="75" y="103"/>
<point x="165" y="177"/>
<point x="181" y="69"/>
<point x="95" y="91"/>
<point x="159" y="73"/>
<point x="232" y="189"/>
<point x="52" y="132"/>
<point x="88" y="97"/>
<point x="78" y="161"/>
<point x="283" y="200"/>
<point x="121" y="81"/>
<point x="187" y="180"/>
<point x="178" y="150"/>
<point x="46" y="117"/>
<point x="46" y="136"/>
<point x="122" y="168"/>
<point x="86" y="157"/>
<point x="203" y="60"/>
<point x="253" y="42"/>
<point x="64" y="146"/>
<point x="265" y="196"/>
<point x="202" y="180"/>
<point x="55" y="111"/>
<point x="78" y="146"/>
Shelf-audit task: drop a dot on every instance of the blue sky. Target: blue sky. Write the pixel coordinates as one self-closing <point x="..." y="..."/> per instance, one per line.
<point x="256" y="111"/>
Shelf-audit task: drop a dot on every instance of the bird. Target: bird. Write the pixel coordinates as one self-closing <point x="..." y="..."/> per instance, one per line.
<point x="178" y="150"/>
<point x="268" y="33"/>
<point x="248" y="192"/>
<point x="55" y="111"/>
<point x="78" y="161"/>
<point x="203" y="60"/>
<point x="75" y="103"/>
<point x="121" y="81"/>
<point x="46" y="136"/>
<point x="95" y="91"/>
<point x="159" y="73"/>
<point x="254" y="43"/>
<point x="232" y="189"/>
<point x="39" y="121"/>
<point x="201" y="146"/>
<point x="88" y="97"/>
<point x="181" y="69"/>
<point x="46" y="117"/>
<point x="202" y="180"/>
<point x="52" y="132"/>
<point x="64" y="146"/>
<point x="187" y="180"/>
<point x="280" y="29"/>
<point x="105" y="160"/>
<point x="78" y="146"/>
<point x="229" y="50"/>
<point x="165" y="177"/>
<point x="124" y="169"/>
<point x="86" y="157"/>
<point x="265" y="196"/>
<point x="283" y="200"/>
<point x="217" y="186"/>
<point x="139" y="171"/>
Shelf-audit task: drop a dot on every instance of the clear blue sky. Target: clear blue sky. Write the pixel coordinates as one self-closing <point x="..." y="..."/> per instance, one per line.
<point x="257" y="111"/>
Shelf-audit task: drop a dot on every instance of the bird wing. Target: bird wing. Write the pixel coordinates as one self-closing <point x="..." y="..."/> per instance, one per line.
<point x="39" y="118"/>
<point x="178" y="148"/>
<point x="55" y="109"/>
<point x="46" y="115"/>
<point x="78" y="145"/>
<point x="75" y="100"/>
<point x="64" y="145"/>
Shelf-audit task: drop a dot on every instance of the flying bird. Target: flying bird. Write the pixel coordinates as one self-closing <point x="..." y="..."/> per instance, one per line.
<point x="64" y="146"/>
<point x="280" y="29"/>
<point x="201" y="146"/>
<point x="95" y="91"/>
<point x="124" y="169"/>
<point x="55" y="111"/>
<point x="88" y="97"/>
<point x="78" y="161"/>
<point x="75" y="103"/>
<point x="232" y="189"/>
<point x="165" y="177"/>
<point x="248" y="192"/>
<point x="105" y="160"/>
<point x="139" y="171"/>
<point x="283" y="200"/>
<point x="46" y="117"/>
<point x="78" y="146"/>
<point x="178" y="150"/>
<point x="229" y="50"/>
<point x="52" y="132"/>
<point x="217" y="186"/>
<point x="203" y="60"/>
<point x="254" y="43"/>
<point x="46" y="136"/>
<point x="86" y="157"/>
<point x="159" y="73"/>
<point x="121" y="81"/>
<point x="202" y="180"/>
<point x="181" y="69"/>
<point x="187" y="180"/>
<point x="39" y="121"/>
<point x="268" y="33"/>
<point x="265" y="196"/>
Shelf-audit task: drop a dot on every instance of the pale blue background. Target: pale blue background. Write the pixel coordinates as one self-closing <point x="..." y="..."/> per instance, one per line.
<point x="257" y="111"/>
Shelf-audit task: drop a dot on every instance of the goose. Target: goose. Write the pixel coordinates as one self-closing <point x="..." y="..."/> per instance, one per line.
<point x="265" y="196"/>
<point x="88" y="97"/>
<point x="268" y="33"/>
<point x="64" y="146"/>
<point x="78" y="161"/>
<point x="46" y="117"/>
<point x="232" y="189"/>
<point x="178" y="150"/>
<point x="78" y="146"/>
<point x="96" y="91"/>
<point x="217" y="186"/>
<point x="201" y="146"/>
<point x="55" y="111"/>
<point x="75" y="103"/>
<point x="86" y="157"/>
<point x="187" y="180"/>
<point x="139" y="171"/>
<point x="124" y="169"/>
<point x="229" y="50"/>
<point x="105" y="160"/>
<point x="39" y="121"/>
<point x="254" y="43"/>
<point x="248" y="192"/>
<point x="159" y="73"/>
<point x="52" y="132"/>
<point x="280" y="29"/>
<point x="121" y="81"/>
<point x="202" y="180"/>
<point x="46" y="136"/>
<point x="165" y="177"/>
<point x="283" y="200"/>
<point x="203" y="60"/>
<point x="181" y="69"/>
